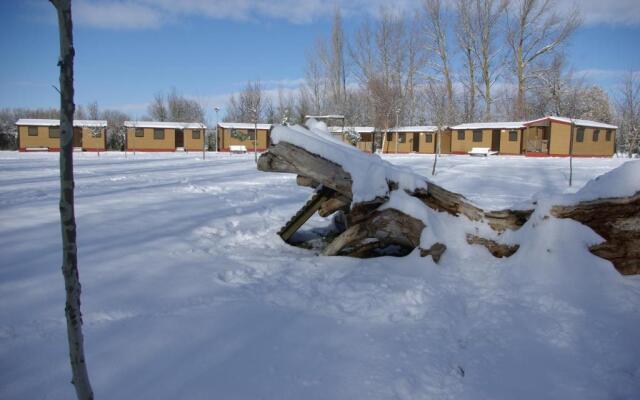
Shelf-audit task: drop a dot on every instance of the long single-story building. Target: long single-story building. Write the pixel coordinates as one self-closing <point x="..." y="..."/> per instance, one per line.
<point x="503" y="137"/>
<point x="164" y="136"/>
<point x="243" y="134"/>
<point x="551" y="136"/>
<point x="416" y="139"/>
<point x="44" y="134"/>
<point x="548" y="136"/>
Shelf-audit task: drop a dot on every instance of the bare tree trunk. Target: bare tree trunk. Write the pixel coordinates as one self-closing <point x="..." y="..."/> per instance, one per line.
<point x="571" y="155"/>
<point x="67" y="214"/>
<point x="534" y="31"/>
<point x="438" y="41"/>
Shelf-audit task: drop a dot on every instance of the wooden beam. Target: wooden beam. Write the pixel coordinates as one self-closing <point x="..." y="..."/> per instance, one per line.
<point x="303" y="215"/>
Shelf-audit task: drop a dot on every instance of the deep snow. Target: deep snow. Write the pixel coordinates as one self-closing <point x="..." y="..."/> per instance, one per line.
<point x="189" y="293"/>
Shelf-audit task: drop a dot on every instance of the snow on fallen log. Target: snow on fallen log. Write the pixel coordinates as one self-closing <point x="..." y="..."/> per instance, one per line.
<point x="392" y="210"/>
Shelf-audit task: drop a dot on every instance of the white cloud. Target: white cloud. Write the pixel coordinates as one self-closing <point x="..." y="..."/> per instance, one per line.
<point x="142" y="14"/>
<point x="145" y="14"/>
<point x="605" y="12"/>
<point x="116" y="14"/>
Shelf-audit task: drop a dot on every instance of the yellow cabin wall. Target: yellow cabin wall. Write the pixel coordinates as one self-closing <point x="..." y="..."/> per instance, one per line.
<point x="91" y="142"/>
<point x="390" y="145"/>
<point x="191" y="144"/>
<point x="228" y="140"/>
<point x="590" y="148"/>
<point x="41" y="141"/>
<point x="464" y="146"/>
<point x="365" y="144"/>
<point x="507" y="146"/>
<point x="559" y="138"/>
<point x="147" y="142"/>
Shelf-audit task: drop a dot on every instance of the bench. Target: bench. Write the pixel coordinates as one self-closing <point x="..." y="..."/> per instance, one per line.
<point x="482" y="152"/>
<point x="238" y="149"/>
<point x="36" y="149"/>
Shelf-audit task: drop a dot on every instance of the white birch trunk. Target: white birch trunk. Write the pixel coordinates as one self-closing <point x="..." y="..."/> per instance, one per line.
<point x="80" y="377"/>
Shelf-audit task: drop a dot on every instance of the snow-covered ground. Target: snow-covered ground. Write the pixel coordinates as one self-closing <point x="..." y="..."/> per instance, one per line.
<point x="189" y="293"/>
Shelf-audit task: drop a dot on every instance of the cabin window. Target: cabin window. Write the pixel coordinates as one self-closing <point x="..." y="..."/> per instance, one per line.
<point x="33" y="131"/>
<point x="96" y="133"/>
<point x="158" y="134"/>
<point x="252" y="134"/>
<point x="402" y="138"/>
<point x="195" y="134"/>
<point x="54" y="132"/>
<point x="608" y="136"/>
<point x="389" y="137"/>
<point x="477" y="136"/>
<point x="580" y="135"/>
<point x="461" y="135"/>
<point x="428" y="137"/>
<point x="513" y="136"/>
<point x="139" y="132"/>
<point x="596" y="134"/>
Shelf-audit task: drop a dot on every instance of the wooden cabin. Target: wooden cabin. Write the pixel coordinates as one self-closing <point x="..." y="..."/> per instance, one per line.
<point x="365" y="133"/>
<point x="503" y="137"/>
<point x="164" y="136"/>
<point x="243" y="134"/>
<point x="551" y="136"/>
<point x="44" y="135"/>
<point x="416" y="139"/>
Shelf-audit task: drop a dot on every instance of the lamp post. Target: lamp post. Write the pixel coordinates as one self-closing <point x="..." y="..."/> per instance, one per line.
<point x="216" y="109"/>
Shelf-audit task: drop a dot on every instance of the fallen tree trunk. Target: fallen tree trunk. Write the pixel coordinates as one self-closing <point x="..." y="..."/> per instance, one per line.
<point x="369" y="231"/>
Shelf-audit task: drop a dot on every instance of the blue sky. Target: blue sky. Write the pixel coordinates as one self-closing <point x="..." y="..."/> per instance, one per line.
<point x="128" y="50"/>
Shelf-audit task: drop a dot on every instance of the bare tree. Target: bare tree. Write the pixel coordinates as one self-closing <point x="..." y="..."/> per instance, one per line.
<point x="466" y="36"/>
<point x="243" y="107"/>
<point x="387" y="57"/>
<point x="336" y="63"/>
<point x="487" y="16"/>
<point x="437" y="43"/>
<point x="93" y="111"/>
<point x="628" y="107"/>
<point x="157" y="109"/>
<point x="67" y="212"/>
<point x="440" y="112"/>
<point x="315" y="82"/>
<point x="534" y="30"/>
<point x="115" y="128"/>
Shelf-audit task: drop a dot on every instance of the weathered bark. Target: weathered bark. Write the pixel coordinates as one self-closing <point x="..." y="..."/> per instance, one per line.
<point x="380" y="230"/>
<point x="496" y="249"/>
<point x="369" y="230"/>
<point x="435" y="251"/>
<point x="73" y="314"/>
<point x="617" y="220"/>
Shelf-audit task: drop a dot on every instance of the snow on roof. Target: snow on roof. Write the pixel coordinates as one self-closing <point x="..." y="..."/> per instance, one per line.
<point x="243" y="125"/>
<point x="358" y="129"/>
<point x="579" y="122"/>
<point x="491" y="125"/>
<point x="370" y="174"/>
<point x="164" y="124"/>
<point x="426" y="128"/>
<point x="370" y="129"/>
<point x="94" y="123"/>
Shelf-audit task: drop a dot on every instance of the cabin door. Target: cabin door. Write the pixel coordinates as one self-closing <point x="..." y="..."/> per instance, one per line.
<point x="179" y="138"/>
<point x="416" y="142"/>
<point x="495" y="140"/>
<point x="77" y="137"/>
